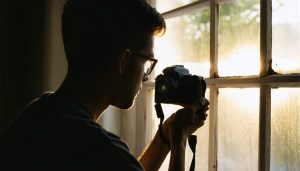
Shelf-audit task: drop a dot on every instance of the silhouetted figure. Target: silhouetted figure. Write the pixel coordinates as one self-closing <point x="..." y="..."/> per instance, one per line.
<point x="107" y="44"/>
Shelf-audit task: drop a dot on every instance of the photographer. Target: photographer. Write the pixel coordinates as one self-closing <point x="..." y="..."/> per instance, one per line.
<point x="108" y="45"/>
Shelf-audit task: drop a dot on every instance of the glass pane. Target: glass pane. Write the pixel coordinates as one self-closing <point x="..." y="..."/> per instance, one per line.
<point x="202" y="137"/>
<point x="286" y="36"/>
<point x="186" y="42"/>
<point x="238" y="119"/>
<point x="239" y="38"/>
<point x="285" y="129"/>
<point x="166" y="5"/>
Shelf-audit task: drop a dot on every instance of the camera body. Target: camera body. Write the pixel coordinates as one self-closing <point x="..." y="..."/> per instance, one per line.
<point x="177" y="86"/>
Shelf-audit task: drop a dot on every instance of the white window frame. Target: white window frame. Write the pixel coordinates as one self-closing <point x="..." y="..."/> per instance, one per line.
<point x="265" y="81"/>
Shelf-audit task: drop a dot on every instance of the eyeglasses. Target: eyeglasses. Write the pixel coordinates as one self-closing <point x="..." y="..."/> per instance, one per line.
<point x="149" y="64"/>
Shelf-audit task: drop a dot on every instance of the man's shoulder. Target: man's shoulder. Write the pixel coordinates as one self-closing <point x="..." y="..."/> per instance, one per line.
<point x="61" y="131"/>
<point x="49" y="116"/>
<point x="54" y="118"/>
<point x="49" y="106"/>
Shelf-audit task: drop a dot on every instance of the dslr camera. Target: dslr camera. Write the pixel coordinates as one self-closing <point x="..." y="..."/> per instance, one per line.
<point x="177" y="86"/>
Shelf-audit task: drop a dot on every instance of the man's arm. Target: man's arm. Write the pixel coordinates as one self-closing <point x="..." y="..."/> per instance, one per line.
<point x="157" y="151"/>
<point x="177" y="160"/>
<point x="154" y="155"/>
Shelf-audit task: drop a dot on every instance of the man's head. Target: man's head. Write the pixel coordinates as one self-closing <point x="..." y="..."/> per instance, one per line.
<point x="104" y="37"/>
<point x="95" y="30"/>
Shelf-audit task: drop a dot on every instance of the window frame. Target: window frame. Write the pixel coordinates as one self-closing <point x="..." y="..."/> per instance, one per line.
<point x="265" y="81"/>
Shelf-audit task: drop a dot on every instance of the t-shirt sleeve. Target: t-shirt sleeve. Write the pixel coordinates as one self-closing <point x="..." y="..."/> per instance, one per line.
<point x="106" y="151"/>
<point x="122" y="160"/>
<point x="122" y="155"/>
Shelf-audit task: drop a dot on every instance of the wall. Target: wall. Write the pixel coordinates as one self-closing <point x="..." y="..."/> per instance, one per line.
<point x="21" y="55"/>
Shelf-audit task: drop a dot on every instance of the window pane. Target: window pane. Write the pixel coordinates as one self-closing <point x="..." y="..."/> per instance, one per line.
<point x="186" y="42"/>
<point x="286" y="36"/>
<point x="285" y="129"/>
<point x="239" y="38"/>
<point x="238" y="116"/>
<point x="166" y="5"/>
<point x="202" y="137"/>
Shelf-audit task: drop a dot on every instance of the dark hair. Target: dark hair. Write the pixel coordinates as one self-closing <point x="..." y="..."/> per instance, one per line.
<point x="93" y="26"/>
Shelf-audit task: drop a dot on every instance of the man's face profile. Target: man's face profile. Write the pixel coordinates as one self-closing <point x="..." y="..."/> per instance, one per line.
<point x="132" y="74"/>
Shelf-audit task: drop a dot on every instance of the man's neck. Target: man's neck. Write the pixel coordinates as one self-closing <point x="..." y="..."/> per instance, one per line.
<point x="86" y="93"/>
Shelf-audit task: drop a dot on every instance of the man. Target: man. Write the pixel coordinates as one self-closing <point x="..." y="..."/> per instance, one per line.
<point x="109" y="48"/>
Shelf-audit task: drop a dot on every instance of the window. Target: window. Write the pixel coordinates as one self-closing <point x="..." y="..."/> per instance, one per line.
<point x="285" y="126"/>
<point x="249" y="55"/>
<point x="286" y="36"/>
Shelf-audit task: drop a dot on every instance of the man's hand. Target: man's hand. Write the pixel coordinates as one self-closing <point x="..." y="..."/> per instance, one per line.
<point x="185" y="122"/>
<point x="176" y="130"/>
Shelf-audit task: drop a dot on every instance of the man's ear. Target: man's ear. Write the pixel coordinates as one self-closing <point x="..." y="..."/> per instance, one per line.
<point x="124" y="60"/>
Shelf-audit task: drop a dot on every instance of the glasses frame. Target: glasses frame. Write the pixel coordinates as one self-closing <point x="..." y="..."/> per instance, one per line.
<point x="150" y="58"/>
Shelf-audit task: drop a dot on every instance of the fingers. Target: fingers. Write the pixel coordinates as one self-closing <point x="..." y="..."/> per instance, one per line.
<point x="198" y="104"/>
<point x="204" y="116"/>
<point x="194" y="114"/>
<point x="188" y="119"/>
<point x="201" y="104"/>
<point x="201" y="107"/>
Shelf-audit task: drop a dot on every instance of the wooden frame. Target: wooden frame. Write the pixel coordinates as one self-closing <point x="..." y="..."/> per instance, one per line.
<point x="265" y="90"/>
<point x="193" y="7"/>
<point x="213" y="117"/>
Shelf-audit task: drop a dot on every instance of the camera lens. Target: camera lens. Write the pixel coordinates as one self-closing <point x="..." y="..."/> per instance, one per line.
<point x="163" y="88"/>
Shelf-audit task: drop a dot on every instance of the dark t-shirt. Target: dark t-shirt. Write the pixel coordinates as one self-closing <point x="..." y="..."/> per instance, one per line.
<point x="56" y="134"/>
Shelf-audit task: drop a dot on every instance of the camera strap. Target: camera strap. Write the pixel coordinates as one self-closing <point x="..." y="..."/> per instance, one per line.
<point x="161" y="116"/>
<point x="192" y="140"/>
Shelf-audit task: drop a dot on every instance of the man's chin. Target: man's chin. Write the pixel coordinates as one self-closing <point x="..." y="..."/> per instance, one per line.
<point x="125" y="105"/>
